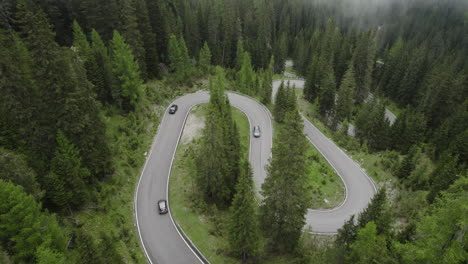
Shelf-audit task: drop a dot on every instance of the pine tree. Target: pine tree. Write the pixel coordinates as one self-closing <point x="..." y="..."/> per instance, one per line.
<point x="441" y="235"/>
<point x="219" y="156"/>
<point x="345" y="100"/>
<point x="408" y="130"/>
<point x="130" y="30"/>
<point x="80" y="42"/>
<point x="347" y="234"/>
<point x="178" y="56"/>
<point x="148" y="39"/>
<point x="129" y="84"/>
<point x="38" y="37"/>
<point x="280" y="54"/>
<point x="204" y="59"/>
<point x="22" y="221"/>
<point x="66" y="181"/>
<point x="79" y="116"/>
<point x="408" y="164"/>
<point x="314" y="78"/>
<point x="327" y="93"/>
<point x="19" y="100"/>
<point x="369" y="247"/>
<point x="239" y="55"/>
<point x="267" y="82"/>
<point x="103" y="70"/>
<point x="14" y="168"/>
<point x="88" y="248"/>
<point x="280" y="104"/>
<point x="291" y="98"/>
<point x="46" y="255"/>
<point x="372" y="125"/>
<point x="285" y="190"/>
<point x="378" y="212"/>
<point x="246" y="76"/>
<point x="444" y="175"/>
<point x="363" y="61"/>
<point x="243" y="226"/>
<point x="174" y="52"/>
<point x="390" y="81"/>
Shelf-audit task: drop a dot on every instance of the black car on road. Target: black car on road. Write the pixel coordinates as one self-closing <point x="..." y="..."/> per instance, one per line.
<point x="173" y="109"/>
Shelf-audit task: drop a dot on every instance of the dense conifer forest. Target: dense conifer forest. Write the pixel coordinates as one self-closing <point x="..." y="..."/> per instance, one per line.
<point x="81" y="82"/>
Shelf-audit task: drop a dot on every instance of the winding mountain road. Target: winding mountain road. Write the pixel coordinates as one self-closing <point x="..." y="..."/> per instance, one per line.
<point x="162" y="241"/>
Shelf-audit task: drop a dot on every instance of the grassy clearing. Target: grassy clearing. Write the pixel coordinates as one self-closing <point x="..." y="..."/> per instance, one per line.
<point x="327" y="187"/>
<point x="290" y="69"/>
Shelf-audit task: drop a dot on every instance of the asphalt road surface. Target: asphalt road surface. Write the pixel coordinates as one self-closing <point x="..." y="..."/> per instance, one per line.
<point x="162" y="241"/>
<point x="359" y="187"/>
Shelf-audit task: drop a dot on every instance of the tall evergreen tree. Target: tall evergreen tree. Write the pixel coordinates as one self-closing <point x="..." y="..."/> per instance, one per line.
<point x="327" y="93"/>
<point x="219" y="156"/>
<point x="280" y="104"/>
<point x="246" y="76"/>
<point x="18" y="103"/>
<point x="345" y="100"/>
<point x="408" y="164"/>
<point x="408" y="129"/>
<point x="103" y="71"/>
<point x="372" y="125"/>
<point x="130" y="29"/>
<point x="80" y="42"/>
<point x="369" y="247"/>
<point x="65" y="183"/>
<point x="377" y="211"/>
<point x="244" y="234"/>
<point x="441" y="235"/>
<point x="178" y="56"/>
<point x="363" y="61"/>
<point x="14" y="168"/>
<point x="204" y="59"/>
<point x="285" y="190"/>
<point x="347" y="234"/>
<point x="444" y="174"/>
<point x="267" y="82"/>
<point x="23" y="222"/>
<point x="280" y="54"/>
<point x="239" y="55"/>
<point x="128" y="86"/>
<point x="148" y="39"/>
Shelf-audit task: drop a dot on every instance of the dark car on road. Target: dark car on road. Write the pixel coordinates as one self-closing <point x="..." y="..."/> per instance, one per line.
<point x="173" y="109"/>
<point x="162" y="207"/>
<point x="256" y="131"/>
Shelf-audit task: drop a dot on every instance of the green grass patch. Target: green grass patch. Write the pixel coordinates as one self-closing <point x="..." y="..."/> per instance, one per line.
<point x="392" y="107"/>
<point x="244" y="130"/>
<point x="327" y="186"/>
